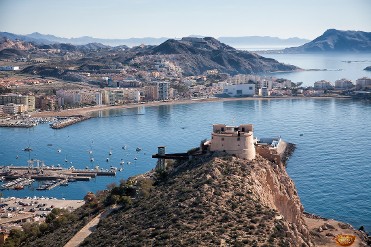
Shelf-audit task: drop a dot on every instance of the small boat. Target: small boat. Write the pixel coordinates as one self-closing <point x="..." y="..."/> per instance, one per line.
<point x="18" y="187"/>
<point x="59" y="150"/>
<point x="124" y="147"/>
<point x="135" y="158"/>
<point x="49" y="144"/>
<point x="129" y="162"/>
<point x="17" y="157"/>
<point x="301" y="134"/>
<point x="90" y="151"/>
<point x="138" y="149"/>
<point x="107" y="159"/>
<point x="121" y="169"/>
<point x="64" y="183"/>
<point x="110" y="152"/>
<point x="27" y="149"/>
<point x="122" y="162"/>
<point x="91" y="159"/>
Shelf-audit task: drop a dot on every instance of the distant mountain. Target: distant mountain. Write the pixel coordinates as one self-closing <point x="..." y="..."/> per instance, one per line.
<point x="336" y="41"/>
<point x="246" y="41"/>
<point x="196" y="55"/>
<point x="260" y="41"/>
<point x="39" y="38"/>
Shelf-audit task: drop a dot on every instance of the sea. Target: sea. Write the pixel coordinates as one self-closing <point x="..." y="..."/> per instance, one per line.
<point x="330" y="166"/>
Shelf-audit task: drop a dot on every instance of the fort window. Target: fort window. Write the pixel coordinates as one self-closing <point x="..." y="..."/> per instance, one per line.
<point x="222" y="129"/>
<point x="243" y="129"/>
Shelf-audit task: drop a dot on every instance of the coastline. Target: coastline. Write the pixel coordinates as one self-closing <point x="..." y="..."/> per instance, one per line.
<point x="87" y="111"/>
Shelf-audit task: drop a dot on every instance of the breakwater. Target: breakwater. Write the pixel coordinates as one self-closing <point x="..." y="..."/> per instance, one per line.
<point x="63" y="122"/>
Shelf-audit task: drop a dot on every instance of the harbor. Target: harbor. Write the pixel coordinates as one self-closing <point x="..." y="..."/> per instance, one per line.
<point x="19" y="177"/>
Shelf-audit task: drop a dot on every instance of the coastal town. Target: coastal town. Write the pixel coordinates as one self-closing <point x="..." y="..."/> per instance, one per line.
<point x="24" y="96"/>
<point x="60" y="85"/>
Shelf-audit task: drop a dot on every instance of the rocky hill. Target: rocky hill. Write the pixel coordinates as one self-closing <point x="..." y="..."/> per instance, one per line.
<point x="336" y="41"/>
<point x="212" y="201"/>
<point x="6" y="43"/>
<point x="196" y="55"/>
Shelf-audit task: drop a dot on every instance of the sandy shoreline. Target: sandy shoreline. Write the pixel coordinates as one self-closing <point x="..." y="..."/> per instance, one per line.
<point x="88" y="110"/>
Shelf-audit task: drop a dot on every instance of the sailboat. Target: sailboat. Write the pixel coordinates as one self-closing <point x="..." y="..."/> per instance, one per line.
<point x="110" y="152"/>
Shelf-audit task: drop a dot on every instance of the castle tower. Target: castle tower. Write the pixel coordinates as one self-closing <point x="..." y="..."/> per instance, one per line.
<point x="236" y="140"/>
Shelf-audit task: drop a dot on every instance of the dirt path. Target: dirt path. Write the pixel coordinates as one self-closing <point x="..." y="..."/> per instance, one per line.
<point x="88" y="229"/>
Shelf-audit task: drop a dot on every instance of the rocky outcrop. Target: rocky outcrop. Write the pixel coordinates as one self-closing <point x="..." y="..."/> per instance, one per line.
<point x="212" y="201"/>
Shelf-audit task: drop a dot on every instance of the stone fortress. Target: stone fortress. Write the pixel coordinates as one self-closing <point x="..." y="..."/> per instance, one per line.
<point x="240" y="141"/>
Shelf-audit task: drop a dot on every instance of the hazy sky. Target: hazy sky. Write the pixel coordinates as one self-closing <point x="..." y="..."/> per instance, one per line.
<point x="176" y="18"/>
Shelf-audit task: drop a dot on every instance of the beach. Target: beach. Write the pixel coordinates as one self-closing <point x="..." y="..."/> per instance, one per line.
<point x="86" y="111"/>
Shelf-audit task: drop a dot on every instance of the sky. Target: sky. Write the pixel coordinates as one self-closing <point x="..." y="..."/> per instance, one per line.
<point x="180" y="18"/>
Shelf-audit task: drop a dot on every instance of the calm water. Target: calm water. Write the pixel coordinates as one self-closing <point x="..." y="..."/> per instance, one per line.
<point x="338" y="65"/>
<point x="331" y="166"/>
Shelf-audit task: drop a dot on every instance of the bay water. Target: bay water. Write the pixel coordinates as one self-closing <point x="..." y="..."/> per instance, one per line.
<point x="331" y="166"/>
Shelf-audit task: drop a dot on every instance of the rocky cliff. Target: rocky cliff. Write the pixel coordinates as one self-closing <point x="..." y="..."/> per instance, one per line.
<point x="212" y="201"/>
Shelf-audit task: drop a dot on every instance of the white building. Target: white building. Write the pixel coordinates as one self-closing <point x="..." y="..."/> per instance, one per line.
<point x="343" y="84"/>
<point x="323" y="85"/>
<point x="9" y="68"/>
<point x="239" y="90"/>
<point x="264" y="92"/>
<point x="363" y="83"/>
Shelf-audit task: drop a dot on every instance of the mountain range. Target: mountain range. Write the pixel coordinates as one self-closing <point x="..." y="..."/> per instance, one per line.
<point x="233" y="41"/>
<point x="193" y="55"/>
<point x="336" y="41"/>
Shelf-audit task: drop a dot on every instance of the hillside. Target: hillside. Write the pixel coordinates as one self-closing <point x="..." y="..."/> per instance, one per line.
<point x="210" y="202"/>
<point x="193" y="56"/>
<point x="336" y="41"/>
<point x="196" y="55"/>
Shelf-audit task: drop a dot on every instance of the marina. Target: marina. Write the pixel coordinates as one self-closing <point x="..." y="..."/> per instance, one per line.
<point x="19" y="177"/>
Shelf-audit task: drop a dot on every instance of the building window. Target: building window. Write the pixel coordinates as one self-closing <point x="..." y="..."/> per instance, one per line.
<point x="250" y="88"/>
<point x="222" y="129"/>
